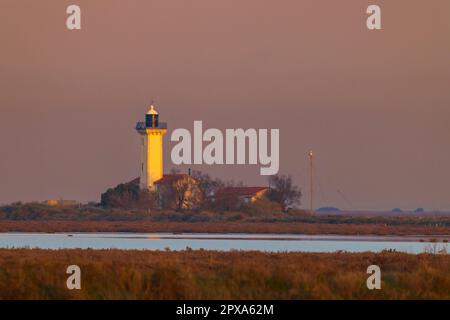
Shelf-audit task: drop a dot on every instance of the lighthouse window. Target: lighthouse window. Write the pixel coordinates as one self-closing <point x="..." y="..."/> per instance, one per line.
<point x="148" y="121"/>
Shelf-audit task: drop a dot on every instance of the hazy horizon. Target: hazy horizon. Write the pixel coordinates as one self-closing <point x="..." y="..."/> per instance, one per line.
<point x="373" y="105"/>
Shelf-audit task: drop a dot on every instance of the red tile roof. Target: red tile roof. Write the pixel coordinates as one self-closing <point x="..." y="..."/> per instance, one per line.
<point x="241" y="191"/>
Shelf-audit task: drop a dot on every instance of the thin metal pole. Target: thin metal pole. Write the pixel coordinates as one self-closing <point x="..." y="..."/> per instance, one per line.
<point x="311" y="181"/>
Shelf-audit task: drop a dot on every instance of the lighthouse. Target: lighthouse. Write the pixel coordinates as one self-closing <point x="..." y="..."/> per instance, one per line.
<point x="151" y="132"/>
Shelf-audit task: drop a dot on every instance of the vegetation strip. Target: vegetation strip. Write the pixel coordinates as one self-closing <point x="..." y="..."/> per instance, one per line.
<point x="201" y="274"/>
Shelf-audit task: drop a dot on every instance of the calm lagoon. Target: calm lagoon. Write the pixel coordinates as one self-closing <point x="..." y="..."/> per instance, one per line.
<point x="223" y="242"/>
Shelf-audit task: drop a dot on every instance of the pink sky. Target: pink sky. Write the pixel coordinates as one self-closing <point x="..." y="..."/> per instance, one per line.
<point x="373" y="105"/>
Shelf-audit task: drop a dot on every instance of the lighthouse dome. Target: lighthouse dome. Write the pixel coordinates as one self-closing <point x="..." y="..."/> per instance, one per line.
<point x="152" y="110"/>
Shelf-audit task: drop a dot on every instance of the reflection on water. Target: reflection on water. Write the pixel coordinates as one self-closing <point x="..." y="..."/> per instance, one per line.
<point x="225" y="242"/>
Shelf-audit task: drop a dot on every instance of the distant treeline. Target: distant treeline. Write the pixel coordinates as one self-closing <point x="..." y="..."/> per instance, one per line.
<point x="95" y="212"/>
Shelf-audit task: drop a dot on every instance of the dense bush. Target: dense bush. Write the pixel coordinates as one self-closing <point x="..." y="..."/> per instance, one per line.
<point x="262" y="207"/>
<point x="260" y="211"/>
<point x="129" y="196"/>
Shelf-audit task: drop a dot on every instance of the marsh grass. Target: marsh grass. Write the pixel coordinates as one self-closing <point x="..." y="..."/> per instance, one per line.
<point x="201" y="274"/>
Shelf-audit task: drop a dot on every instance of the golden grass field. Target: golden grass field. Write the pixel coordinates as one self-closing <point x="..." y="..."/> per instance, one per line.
<point x="116" y="274"/>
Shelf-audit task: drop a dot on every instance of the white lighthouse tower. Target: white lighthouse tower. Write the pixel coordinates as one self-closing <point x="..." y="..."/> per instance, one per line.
<point x="151" y="132"/>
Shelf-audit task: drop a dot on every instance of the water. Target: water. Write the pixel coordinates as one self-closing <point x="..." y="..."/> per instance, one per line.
<point x="224" y="242"/>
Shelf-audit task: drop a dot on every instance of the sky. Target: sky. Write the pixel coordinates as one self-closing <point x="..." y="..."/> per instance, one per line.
<point x="373" y="105"/>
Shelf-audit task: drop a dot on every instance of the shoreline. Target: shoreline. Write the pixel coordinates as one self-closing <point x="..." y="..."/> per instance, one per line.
<point x="244" y="236"/>
<point x="282" y="228"/>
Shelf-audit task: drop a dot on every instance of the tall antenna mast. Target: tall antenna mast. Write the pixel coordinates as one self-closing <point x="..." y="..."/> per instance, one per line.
<point x="311" y="181"/>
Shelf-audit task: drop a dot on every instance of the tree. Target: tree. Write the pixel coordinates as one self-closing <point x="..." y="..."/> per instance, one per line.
<point x="208" y="187"/>
<point x="180" y="193"/>
<point x="128" y="196"/>
<point x="283" y="192"/>
<point x="181" y="190"/>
